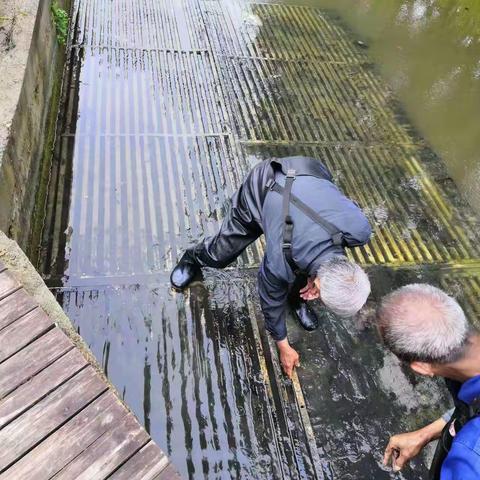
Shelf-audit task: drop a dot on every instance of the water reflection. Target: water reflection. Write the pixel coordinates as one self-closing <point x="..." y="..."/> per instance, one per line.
<point x="161" y="123"/>
<point x="204" y="394"/>
<point x="429" y="51"/>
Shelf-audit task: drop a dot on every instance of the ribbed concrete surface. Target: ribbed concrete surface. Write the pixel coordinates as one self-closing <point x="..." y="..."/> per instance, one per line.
<point x="166" y="106"/>
<point x="197" y="371"/>
<point x="198" y="94"/>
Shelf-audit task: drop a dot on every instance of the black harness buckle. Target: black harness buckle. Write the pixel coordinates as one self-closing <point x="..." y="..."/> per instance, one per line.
<point x="337" y="238"/>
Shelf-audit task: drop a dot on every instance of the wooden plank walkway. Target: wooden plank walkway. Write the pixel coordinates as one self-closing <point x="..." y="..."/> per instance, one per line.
<point x="58" y="417"/>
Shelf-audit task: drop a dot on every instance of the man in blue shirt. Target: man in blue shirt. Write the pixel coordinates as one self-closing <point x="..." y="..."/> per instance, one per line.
<point x="307" y="223"/>
<point x="427" y="329"/>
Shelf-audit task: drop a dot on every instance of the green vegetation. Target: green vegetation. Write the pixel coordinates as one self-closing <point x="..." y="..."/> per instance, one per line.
<point x="60" y="19"/>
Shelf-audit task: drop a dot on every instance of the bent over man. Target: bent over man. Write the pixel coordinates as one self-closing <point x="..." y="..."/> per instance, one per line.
<point x="307" y="222"/>
<point x="428" y="330"/>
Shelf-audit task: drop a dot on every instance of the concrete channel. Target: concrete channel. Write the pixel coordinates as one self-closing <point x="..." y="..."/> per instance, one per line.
<point x="165" y="107"/>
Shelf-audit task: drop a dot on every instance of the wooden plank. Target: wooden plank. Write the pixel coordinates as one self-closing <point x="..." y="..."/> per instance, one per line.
<point x="57" y="417"/>
<point x="146" y="464"/>
<point x="8" y="284"/>
<point x="47" y="415"/>
<point x="169" y="473"/>
<point x="40" y="385"/>
<point x="69" y="441"/>
<point x="22" y="332"/>
<point x="32" y="359"/>
<point x="15" y="306"/>
<point x="107" y="453"/>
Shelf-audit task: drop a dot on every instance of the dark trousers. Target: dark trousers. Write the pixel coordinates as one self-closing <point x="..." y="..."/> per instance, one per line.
<point x="241" y="226"/>
<point x="238" y="230"/>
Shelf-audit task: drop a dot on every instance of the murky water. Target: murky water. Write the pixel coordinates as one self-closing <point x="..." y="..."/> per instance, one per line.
<point x="359" y="394"/>
<point x="166" y="106"/>
<point x="193" y="371"/>
<point x="429" y="52"/>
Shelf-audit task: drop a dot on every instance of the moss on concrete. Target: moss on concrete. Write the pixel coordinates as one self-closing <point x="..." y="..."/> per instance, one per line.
<point x="29" y="56"/>
<point x="38" y="209"/>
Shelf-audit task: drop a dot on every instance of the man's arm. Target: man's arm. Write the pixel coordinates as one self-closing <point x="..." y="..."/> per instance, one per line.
<point x="405" y="446"/>
<point x="273" y="300"/>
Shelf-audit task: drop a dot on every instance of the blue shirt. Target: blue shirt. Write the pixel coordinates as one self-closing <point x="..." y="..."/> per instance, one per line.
<point x="463" y="460"/>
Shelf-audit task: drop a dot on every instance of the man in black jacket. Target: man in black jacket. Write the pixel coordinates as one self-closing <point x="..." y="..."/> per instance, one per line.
<point x="307" y="223"/>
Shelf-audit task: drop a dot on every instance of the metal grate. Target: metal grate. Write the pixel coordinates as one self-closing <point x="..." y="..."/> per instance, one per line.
<point x="138" y="201"/>
<point x="143" y="24"/>
<point x="308" y="100"/>
<point x="134" y="115"/>
<point x="133" y="91"/>
<point x="274" y="31"/>
<point x="464" y="284"/>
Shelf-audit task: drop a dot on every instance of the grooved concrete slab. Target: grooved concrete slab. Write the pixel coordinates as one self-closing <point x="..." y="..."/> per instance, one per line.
<point x="166" y="106"/>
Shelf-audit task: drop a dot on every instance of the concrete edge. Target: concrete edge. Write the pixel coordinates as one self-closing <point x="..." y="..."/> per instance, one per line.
<point x="24" y="272"/>
<point x="33" y="75"/>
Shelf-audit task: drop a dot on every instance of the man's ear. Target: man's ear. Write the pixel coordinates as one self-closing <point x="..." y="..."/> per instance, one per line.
<point x="317" y="283"/>
<point x="423" y="368"/>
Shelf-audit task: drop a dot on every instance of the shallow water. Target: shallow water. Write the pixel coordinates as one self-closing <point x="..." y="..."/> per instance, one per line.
<point x="429" y="52"/>
<point x="165" y="107"/>
<point x="193" y="371"/>
<point x="359" y="394"/>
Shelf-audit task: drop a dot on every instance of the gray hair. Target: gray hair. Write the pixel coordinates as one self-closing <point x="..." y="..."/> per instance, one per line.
<point x="419" y="322"/>
<point x="344" y="286"/>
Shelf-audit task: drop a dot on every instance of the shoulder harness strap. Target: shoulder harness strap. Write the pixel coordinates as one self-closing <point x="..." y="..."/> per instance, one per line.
<point x="288" y="197"/>
<point x="287" y="220"/>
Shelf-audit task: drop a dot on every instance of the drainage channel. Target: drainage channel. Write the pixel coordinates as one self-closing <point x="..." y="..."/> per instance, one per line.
<point x="166" y="106"/>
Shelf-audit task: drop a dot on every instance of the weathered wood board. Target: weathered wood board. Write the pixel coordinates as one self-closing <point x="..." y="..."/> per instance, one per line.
<point x="58" y="417"/>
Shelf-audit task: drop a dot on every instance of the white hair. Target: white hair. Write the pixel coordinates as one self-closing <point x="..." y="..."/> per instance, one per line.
<point x="344" y="286"/>
<point x="419" y="322"/>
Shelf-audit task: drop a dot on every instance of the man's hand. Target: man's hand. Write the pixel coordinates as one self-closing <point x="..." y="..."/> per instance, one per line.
<point x="289" y="357"/>
<point x="310" y="291"/>
<point x="402" y="448"/>
<point x="405" y="446"/>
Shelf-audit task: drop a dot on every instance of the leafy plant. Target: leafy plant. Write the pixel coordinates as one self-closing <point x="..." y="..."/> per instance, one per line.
<point x="60" y="20"/>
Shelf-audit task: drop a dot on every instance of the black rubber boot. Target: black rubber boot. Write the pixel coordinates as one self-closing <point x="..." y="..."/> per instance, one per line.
<point x="305" y="316"/>
<point x="186" y="271"/>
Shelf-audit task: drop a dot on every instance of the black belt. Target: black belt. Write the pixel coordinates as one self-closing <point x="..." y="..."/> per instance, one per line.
<point x="288" y="197"/>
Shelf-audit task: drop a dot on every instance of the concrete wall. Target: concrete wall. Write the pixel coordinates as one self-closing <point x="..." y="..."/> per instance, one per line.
<point x="31" y="64"/>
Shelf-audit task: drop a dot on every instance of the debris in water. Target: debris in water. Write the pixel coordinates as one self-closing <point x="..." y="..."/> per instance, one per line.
<point x="361" y="44"/>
